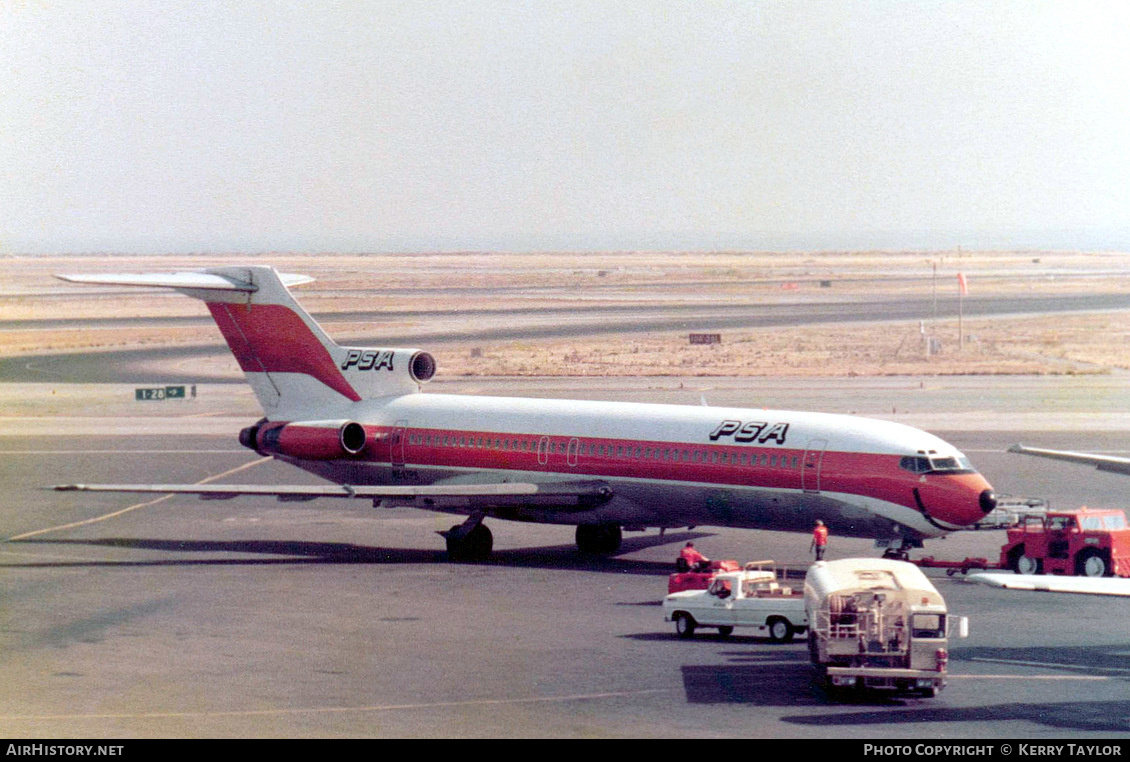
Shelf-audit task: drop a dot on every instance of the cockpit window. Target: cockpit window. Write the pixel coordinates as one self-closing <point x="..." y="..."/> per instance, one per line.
<point x="921" y="464"/>
<point x="915" y="465"/>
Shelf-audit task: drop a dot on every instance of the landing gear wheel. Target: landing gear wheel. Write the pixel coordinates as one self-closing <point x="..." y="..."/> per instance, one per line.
<point x="780" y="631"/>
<point x="598" y="539"/>
<point x="684" y="626"/>
<point x="725" y="631"/>
<point x="1092" y="563"/>
<point x="475" y="545"/>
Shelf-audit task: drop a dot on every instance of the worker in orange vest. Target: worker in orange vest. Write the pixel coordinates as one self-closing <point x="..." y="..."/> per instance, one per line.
<point x="695" y="560"/>
<point x="819" y="540"/>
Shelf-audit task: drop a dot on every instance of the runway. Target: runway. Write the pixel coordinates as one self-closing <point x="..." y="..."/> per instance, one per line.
<point x="176" y="617"/>
<point x="137" y="365"/>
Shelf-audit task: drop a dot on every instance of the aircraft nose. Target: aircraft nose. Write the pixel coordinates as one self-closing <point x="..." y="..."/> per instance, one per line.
<point x="956" y="500"/>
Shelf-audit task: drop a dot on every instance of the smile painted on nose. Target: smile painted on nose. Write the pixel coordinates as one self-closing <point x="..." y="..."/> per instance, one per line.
<point x="948" y="492"/>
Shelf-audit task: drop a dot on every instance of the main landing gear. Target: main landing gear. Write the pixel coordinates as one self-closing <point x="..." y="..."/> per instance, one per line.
<point x="469" y="541"/>
<point x="473" y="541"/>
<point x="598" y="539"/>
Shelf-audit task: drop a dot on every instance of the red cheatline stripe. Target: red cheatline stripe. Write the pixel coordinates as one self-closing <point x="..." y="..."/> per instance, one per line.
<point x="874" y="475"/>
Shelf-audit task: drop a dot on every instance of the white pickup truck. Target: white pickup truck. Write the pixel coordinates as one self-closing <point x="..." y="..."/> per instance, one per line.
<point x="739" y="599"/>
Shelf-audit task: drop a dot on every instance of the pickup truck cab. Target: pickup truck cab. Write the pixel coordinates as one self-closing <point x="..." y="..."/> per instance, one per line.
<point x="739" y="599"/>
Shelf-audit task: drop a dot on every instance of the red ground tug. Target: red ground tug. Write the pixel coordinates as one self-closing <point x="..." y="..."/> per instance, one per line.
<point x="1085" y="542"/>
<point x="698" y="580"/>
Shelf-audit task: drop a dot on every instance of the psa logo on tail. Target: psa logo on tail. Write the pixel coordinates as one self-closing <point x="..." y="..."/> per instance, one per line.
<point x="369" y="359"/>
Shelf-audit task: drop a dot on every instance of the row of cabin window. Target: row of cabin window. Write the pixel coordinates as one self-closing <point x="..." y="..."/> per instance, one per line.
<point x="668" y="454"/>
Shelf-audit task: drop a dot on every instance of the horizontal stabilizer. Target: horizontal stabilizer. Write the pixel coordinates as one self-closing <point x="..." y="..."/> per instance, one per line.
<point x="209" y="281"/>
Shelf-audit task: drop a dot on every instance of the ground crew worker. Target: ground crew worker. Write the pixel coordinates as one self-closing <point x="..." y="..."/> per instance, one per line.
<point x="819" y="540"/>
<point x="695" y="560"/>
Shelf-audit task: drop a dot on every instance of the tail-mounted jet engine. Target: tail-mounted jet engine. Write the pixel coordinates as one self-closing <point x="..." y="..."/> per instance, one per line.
<point x="307" y="440"/>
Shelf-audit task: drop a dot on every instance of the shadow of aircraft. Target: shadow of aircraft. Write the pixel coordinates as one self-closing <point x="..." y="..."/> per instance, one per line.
<point x="304" y="552"/>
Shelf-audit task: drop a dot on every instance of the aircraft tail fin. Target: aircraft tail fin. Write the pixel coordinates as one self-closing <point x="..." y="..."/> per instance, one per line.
<point x="290" y="362"/>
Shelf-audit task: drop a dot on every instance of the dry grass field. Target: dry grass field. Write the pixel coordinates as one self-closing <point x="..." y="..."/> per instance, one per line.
<point x="451" y="292"/>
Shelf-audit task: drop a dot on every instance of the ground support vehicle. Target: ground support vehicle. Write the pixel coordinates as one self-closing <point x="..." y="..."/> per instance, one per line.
<point x="1086" y="542"/>
<point x="953" y="567"/>
<point x="699" y="580"/>
<point x="875" y="623"/>
<point x="739" y="599"/>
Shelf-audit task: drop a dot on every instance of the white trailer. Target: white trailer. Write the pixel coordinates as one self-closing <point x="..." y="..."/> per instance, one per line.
<point x="879" y="624"/>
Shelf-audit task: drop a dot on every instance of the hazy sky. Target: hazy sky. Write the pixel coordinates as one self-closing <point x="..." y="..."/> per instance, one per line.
<point x="640" y="124"/>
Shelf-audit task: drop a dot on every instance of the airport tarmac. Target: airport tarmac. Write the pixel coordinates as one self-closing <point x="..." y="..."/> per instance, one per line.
<point x="143" y="616"/>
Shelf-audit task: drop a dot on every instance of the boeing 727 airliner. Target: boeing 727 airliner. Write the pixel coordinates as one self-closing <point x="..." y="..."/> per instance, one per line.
<point x="356" y="416"/>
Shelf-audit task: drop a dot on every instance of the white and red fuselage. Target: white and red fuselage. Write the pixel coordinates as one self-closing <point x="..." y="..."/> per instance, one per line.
<point x="667" y="465"/>
<point x="356" y="417"/>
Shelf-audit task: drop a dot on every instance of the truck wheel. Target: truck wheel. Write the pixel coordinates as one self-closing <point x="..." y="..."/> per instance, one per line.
<point x="684" y="625"/>
<point x="780" y="631"/>
<point x="813" y="649"/>
<point x="1091" y="563"/>
<point x="725" y="631"/>
<point x="1029" y="565"/>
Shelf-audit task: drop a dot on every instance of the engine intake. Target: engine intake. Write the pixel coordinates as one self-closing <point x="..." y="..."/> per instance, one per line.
<point x="352" y="437"/>
<point x="422" y="366"/>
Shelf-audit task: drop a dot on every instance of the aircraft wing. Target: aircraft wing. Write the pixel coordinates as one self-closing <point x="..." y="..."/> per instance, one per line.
<point x="576" y="496"/>
<point x="1054" y="584"/>
<point x="1111" y="463"/>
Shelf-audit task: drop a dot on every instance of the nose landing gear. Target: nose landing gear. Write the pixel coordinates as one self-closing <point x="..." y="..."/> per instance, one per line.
<point x="901" y="552"/>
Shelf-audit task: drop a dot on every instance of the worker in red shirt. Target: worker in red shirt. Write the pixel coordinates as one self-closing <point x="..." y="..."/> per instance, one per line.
<point x="819" y="540"/>
<point x="695" y="561"/>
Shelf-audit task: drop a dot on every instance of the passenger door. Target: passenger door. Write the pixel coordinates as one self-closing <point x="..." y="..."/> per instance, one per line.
<point x="810" y="470"/>
<point x="396" y="443"/>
